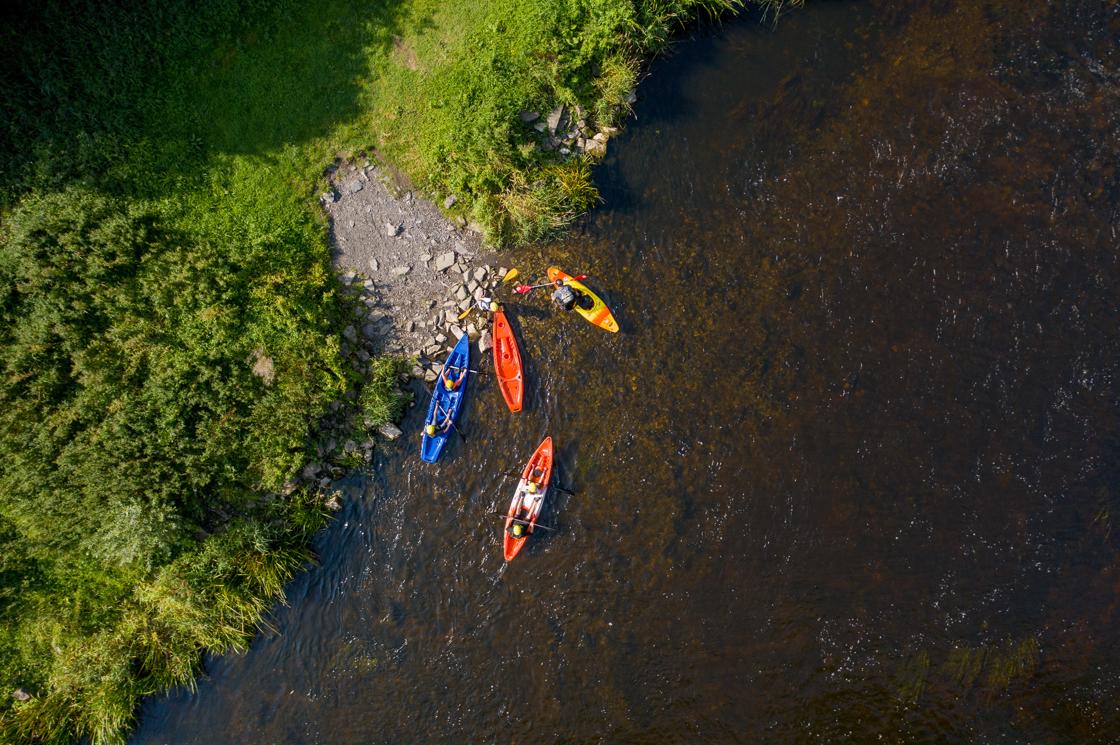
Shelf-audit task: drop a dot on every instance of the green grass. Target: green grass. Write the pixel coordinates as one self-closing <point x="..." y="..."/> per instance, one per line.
<point x="159" y="165"/>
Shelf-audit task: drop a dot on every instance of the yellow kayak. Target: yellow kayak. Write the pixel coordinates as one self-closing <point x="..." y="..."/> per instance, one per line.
<point x="597" y="313"/>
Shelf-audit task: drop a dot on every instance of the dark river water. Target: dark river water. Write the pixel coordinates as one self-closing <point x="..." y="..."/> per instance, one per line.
<point x="851" y="471"/>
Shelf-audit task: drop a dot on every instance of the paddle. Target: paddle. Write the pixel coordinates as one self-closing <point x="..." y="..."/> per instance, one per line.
<point x="557" y="487"/>
<point x="525" y="522"/>
<point x="476" y="372"/>
<point x="522" y="289"/>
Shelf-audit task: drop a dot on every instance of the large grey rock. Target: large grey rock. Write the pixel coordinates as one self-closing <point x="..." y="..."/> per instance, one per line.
<point x="456" y="330"/>
<point x="480" y="274"/>
<point x="445" y="261"/>
<point x="555" y="117"/>
<point x="389" y="431"/>
<point x="471" y="287"/>
<point x="400" y="271"/>
<point x="485" y="341"/>
<point x="355" y="186"/>
<point x="369" y="331"/>
<point x="373" y="264"/>
<point x="461" y="292"/>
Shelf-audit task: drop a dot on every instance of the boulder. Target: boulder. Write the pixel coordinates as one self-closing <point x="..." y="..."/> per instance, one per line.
<point x="445" y="261"/>
<point x="480" y="274"/>
<point x="461" y="292"/>
<point x="597" y="148"/>
<point x="485" y="341"/>
<point x="471" y="287"/>
<point x="472" y="330"/>
<point x="350" y="333"/>
<point x="355" y="186"/>
<point x="555" y="117"/>
<point x="441" y="338"/>
<point x="389" y="431"/>
<point x="400" y="271"/>
<point x="479" y="293"/>
<point x="456" y="330"/>
<point x="369" y="331"/>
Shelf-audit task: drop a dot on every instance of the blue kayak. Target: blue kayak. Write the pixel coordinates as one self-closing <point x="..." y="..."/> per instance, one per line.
<point x="445" y="401"/>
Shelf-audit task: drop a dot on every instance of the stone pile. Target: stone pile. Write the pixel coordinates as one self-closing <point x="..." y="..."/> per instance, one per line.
<point x="569" y="132"/>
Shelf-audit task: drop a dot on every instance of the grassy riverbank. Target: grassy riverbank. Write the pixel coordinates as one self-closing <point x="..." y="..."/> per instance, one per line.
<point x="158" y="171"/>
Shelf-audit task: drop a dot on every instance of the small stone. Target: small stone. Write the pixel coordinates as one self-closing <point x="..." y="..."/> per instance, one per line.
<point x="480" y="274"/>
<point x="350" y="333"/>
<point x="462" y="292"/>
<point x="355" y="186"/>
<point x="431" y="375"/>
<point x="461" y="248"/>
<point x="440" y="338"/>
<point x="445" y="261"/>
<point x="311" y="471"/>
<point x="471" y="287"/>
<point x="476" y="227"/>
<point x="392" y="229"/>
<point x="540" y="126"/>
<point x="389" y="431"/>
<point x="596" y="148"/>
<point x="411" y="327"/>
<point x="362" y="355"/>
<point x="369" y="331"/>
<point x="347" y="278"/>
<point x="449" y="202"/>
<point x="485" y="341"/>
<point x="529" y="116"/>
<point x="324" y="483"/>
<point x="479" y="293"/>
<point x="20" y="695"/>
<point x="565" y="151"/>
<point x="373" y="264"/>
<point x="332" y="502"/>
<point x="425" y="258"/>
<point x="400" y="271"/>
<point x="328" y="197"/>
<point x="417" y="371"/>
<point x="465" y="303"/>
<point x="456" y="330"/>
<point x="502" y="271"/>
<point x="600" y="137"/>
<point x="472" y="330"/>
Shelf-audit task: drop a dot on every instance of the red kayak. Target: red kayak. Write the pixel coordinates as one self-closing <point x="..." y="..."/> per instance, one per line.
<point x="527" y="500"/>
<point x="507" y="362"/>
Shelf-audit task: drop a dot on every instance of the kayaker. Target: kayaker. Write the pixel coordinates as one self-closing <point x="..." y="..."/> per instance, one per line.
<point x="568" y="297"/>
<point x="517" y="529"/>
<point x="450" y="384"/>
<point x="432" y="430"/>
<point x="488" y="304"/>
<point x="530" y="495"/>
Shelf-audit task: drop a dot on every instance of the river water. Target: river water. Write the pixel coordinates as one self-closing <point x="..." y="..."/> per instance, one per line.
<point x="851" y="470"/>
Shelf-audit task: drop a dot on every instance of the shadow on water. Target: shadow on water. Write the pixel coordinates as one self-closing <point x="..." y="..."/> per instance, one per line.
<point x="849" y="473"/>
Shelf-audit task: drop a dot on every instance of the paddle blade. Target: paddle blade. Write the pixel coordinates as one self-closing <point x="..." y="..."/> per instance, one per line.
<point x="522" y="289"/>
<point x="466" y="313"/>
<point x="511" y="275"/>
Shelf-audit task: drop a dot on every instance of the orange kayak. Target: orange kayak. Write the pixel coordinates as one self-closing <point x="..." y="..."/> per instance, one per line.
<point x="591" y="306"/>
<point x="527" y="500"/>
<point x="507" y="363"/>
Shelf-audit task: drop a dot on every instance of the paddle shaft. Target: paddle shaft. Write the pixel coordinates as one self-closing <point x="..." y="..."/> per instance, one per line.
<point x="557" y="487"/>
<point x="522" y="289"/>
<point x="525" y="522"/>
<point x="454" y="426"/>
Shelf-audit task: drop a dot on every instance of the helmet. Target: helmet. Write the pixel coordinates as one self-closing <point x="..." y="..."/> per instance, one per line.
<point x="448" y="384"/>
<point x="532" y="487"/>
<point x="494" y="306"/>
<point x="430" y="430"/>
<point x="518" y="529"/>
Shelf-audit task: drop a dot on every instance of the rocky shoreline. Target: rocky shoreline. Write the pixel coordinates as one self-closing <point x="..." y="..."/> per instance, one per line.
<point x="409" y="273"/>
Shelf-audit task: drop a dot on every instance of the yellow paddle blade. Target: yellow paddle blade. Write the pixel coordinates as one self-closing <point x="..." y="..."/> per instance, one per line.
<point x="466" y="313"/>
<point x="511" y="275"/>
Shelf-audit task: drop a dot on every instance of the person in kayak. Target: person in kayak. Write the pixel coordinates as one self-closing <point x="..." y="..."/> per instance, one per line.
<point x="568" y="297"/>
<point x="530" y="497"/>
<point x="450" y="384"/>
<point x="431" y="429"/>
<point x="516" y="529"/>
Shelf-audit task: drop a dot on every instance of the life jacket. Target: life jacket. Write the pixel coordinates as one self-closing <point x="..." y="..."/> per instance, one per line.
<point x="565" y="297"/>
